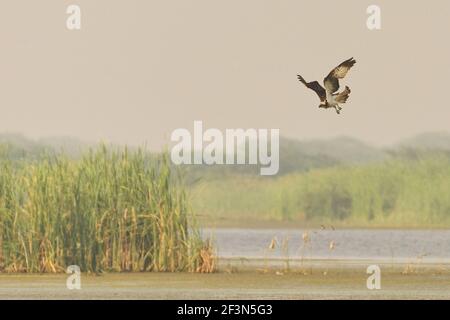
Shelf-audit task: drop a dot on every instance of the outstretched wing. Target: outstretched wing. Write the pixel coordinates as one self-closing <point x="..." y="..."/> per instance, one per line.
<point x="331" y="82"/>
<point x="315" y="86"/>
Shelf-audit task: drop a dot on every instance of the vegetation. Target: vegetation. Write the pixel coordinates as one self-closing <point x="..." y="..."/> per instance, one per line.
<point x="110" y="210"/>
<point x="408" y="190"/>
<point x="122" y="209"/>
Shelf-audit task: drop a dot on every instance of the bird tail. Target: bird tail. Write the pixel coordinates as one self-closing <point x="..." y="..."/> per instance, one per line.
<point x="343" y="96"/>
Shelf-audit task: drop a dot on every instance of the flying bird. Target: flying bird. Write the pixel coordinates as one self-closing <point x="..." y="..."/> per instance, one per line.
<point x="329" y="97"/>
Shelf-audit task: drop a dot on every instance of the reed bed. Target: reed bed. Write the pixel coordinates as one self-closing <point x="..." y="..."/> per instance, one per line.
<point x="393" y="193"/>
<point x="112" y="210"/>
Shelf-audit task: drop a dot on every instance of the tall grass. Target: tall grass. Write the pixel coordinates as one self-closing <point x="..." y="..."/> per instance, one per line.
<point x="394" y="193"/>
<point x="113" y="210"/>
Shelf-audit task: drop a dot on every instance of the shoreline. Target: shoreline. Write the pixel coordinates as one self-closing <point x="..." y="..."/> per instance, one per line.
<point x="276" y="224"/>
<point x="320" y="281"/>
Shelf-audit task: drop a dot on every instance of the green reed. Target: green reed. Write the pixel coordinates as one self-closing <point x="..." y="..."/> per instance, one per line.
<point x="393" y="193"/>
<point x="112" y="210"/>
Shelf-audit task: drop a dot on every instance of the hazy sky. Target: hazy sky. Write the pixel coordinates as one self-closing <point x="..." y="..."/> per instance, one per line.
<point x="139" y="69"/>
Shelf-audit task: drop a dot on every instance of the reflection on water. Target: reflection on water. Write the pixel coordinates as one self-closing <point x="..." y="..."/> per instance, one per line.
<point x="395" y="245"/>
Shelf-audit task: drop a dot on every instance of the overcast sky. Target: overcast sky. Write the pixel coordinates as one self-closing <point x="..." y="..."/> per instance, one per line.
<point x="139" y="69"/>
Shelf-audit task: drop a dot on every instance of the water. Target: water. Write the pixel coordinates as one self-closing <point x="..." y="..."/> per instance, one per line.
<point x="390" y="245"/>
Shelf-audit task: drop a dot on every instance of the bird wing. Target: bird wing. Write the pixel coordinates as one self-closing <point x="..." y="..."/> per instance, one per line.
<point x="331" y="81"/>
<point x="315" y="86"/>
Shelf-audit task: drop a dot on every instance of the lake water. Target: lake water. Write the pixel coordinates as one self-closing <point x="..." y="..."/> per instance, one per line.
<point x="389" y="245"/>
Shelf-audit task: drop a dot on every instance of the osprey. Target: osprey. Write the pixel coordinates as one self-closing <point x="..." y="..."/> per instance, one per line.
<point x="329" y="98"/>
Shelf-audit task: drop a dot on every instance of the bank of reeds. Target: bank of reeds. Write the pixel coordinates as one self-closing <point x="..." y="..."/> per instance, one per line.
<point x="394" y="193"/>
<point x="112" y="210"/>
